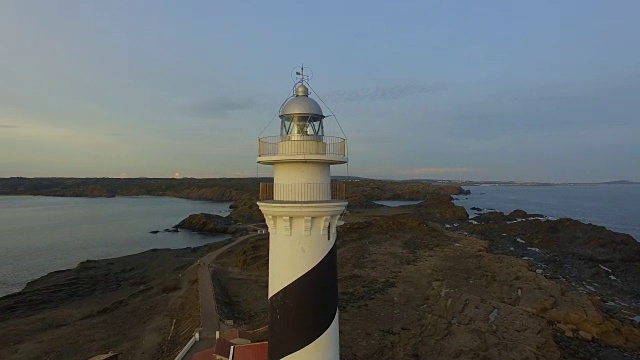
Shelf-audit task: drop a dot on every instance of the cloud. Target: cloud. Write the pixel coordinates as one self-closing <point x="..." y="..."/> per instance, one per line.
<point x="221" y="107"/>
<point x="8" y="126"/>
<point x="391" y="92"/>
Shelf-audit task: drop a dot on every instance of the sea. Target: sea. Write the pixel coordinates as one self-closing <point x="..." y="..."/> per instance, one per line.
<point x="40" y="234"/>
<point x="617" y="207"/>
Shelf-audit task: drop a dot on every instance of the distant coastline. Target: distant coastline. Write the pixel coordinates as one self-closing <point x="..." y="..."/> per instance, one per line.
<point x="522" y="183"/>
<point x="613" y="206"/>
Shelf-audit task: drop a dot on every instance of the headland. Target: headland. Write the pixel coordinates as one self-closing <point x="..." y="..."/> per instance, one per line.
<point x="414" y="281"/>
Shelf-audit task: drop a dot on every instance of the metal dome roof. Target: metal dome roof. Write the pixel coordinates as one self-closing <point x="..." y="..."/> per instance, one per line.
<point x="301" y="104"/>
<point x="302" y="90"/>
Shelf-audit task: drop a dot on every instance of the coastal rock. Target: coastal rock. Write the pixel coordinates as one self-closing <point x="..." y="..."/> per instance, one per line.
<point x="246" y="211"/>
<point x="592" y="242"/>
<point x="491" y="217"/>
<point x="441" y="208"/>
<point x="101" y="305"/>
<point x="208" y="223"/>
<point x="409" y="288"/>
<point x="375" y="190"/>
<point x="360" y="202"/>
<point x="590" y="258"/>
<point x="521" y="214"/>
<point x="462" y="298"/>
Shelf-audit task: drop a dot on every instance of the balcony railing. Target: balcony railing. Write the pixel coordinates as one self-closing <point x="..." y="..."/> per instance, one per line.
<point x="335" y="190"/>
<point x="302" y="145"/>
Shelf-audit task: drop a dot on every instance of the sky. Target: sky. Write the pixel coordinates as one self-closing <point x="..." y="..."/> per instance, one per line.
<point x="466" y="90"/>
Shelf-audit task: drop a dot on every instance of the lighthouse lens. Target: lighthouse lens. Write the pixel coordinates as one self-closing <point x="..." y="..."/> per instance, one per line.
<point x="301" y="128"/>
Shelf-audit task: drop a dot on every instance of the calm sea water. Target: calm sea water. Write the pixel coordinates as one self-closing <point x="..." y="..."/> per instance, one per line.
<point x="42" y="234"/>
<point x="616" y="207"/>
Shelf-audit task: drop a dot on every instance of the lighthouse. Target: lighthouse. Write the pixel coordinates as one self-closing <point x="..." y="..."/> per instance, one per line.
<point x="302" y="208"/>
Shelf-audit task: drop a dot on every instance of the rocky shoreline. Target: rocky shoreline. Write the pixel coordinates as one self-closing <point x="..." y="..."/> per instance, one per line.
<point x="125" y="304"/>
<point x="591" y="258"/>
<point x="415" y="281"/>
<point x="426" y="281"/>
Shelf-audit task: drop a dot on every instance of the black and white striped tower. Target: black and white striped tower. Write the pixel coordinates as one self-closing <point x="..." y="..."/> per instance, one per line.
<point x="302" y="209"/>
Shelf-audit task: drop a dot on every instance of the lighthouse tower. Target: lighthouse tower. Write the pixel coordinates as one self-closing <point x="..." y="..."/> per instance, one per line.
<point x="302" y="207"/>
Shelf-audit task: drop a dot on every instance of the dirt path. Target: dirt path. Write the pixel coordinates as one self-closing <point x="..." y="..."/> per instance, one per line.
<point x="209" y="320"/>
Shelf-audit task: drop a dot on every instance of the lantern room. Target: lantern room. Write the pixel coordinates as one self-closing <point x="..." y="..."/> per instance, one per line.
<point x="301" y="115"/>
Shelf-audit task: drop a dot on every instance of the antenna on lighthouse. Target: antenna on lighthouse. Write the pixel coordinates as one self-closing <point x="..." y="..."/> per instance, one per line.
<point x="300" y="76"/>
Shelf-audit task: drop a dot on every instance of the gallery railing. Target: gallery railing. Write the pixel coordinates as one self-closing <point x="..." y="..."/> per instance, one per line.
<point x="298" y="144"/>
<point x="335" y="190"/>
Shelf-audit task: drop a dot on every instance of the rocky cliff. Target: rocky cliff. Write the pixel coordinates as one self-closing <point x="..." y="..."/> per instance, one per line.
<point x="396" y="190"/>
<point x="209" y="223"/>
<point x="589" y="258"/>
<point x="425" y="282"/>
<point x="414" y="289"/>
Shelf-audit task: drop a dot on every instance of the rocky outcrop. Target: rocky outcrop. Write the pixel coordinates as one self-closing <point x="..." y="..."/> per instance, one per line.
<point x="254" y="256"/>
<point x="246" y="211"/>
<point x="360" y="202"/>
<point x="103" y="305"/>
<point x="591" y="242"/>
<point x="499" y="217"/>
<point x="448" y="296"/>
<point x="590" y="258"/>
<point x="521" y="214"/>
<point x="208" y="223"/>
<point x="408" y="289"/>
<point x="442" y="209"/>
<point x="374" y="190"/>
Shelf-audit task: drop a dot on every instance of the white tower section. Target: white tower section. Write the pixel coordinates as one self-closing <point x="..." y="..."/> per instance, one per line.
<point x="302" y="208"/>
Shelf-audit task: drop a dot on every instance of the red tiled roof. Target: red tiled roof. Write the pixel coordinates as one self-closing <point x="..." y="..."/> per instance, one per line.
<point x="223" y="347"/>
<point x="255" y="351"/>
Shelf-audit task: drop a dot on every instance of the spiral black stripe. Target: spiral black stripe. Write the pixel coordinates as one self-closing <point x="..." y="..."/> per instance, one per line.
<point x="304" y="309"/>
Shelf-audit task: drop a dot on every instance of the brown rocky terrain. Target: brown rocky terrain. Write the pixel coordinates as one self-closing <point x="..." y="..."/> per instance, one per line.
<point x="126" y="305"/>
<point x="221" y="189"/>
<point x="415" y="282"/>
<point x="586" y="257"/>
<point x="240" y="283"/>
<point x="413" y="288"/>
<point x="398" y="190"/>
<point x="210" y="224"/>
<point x="447" y="296"/>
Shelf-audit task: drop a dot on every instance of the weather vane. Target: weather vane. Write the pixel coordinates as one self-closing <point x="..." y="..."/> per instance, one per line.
<point x="301" y="77"/>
